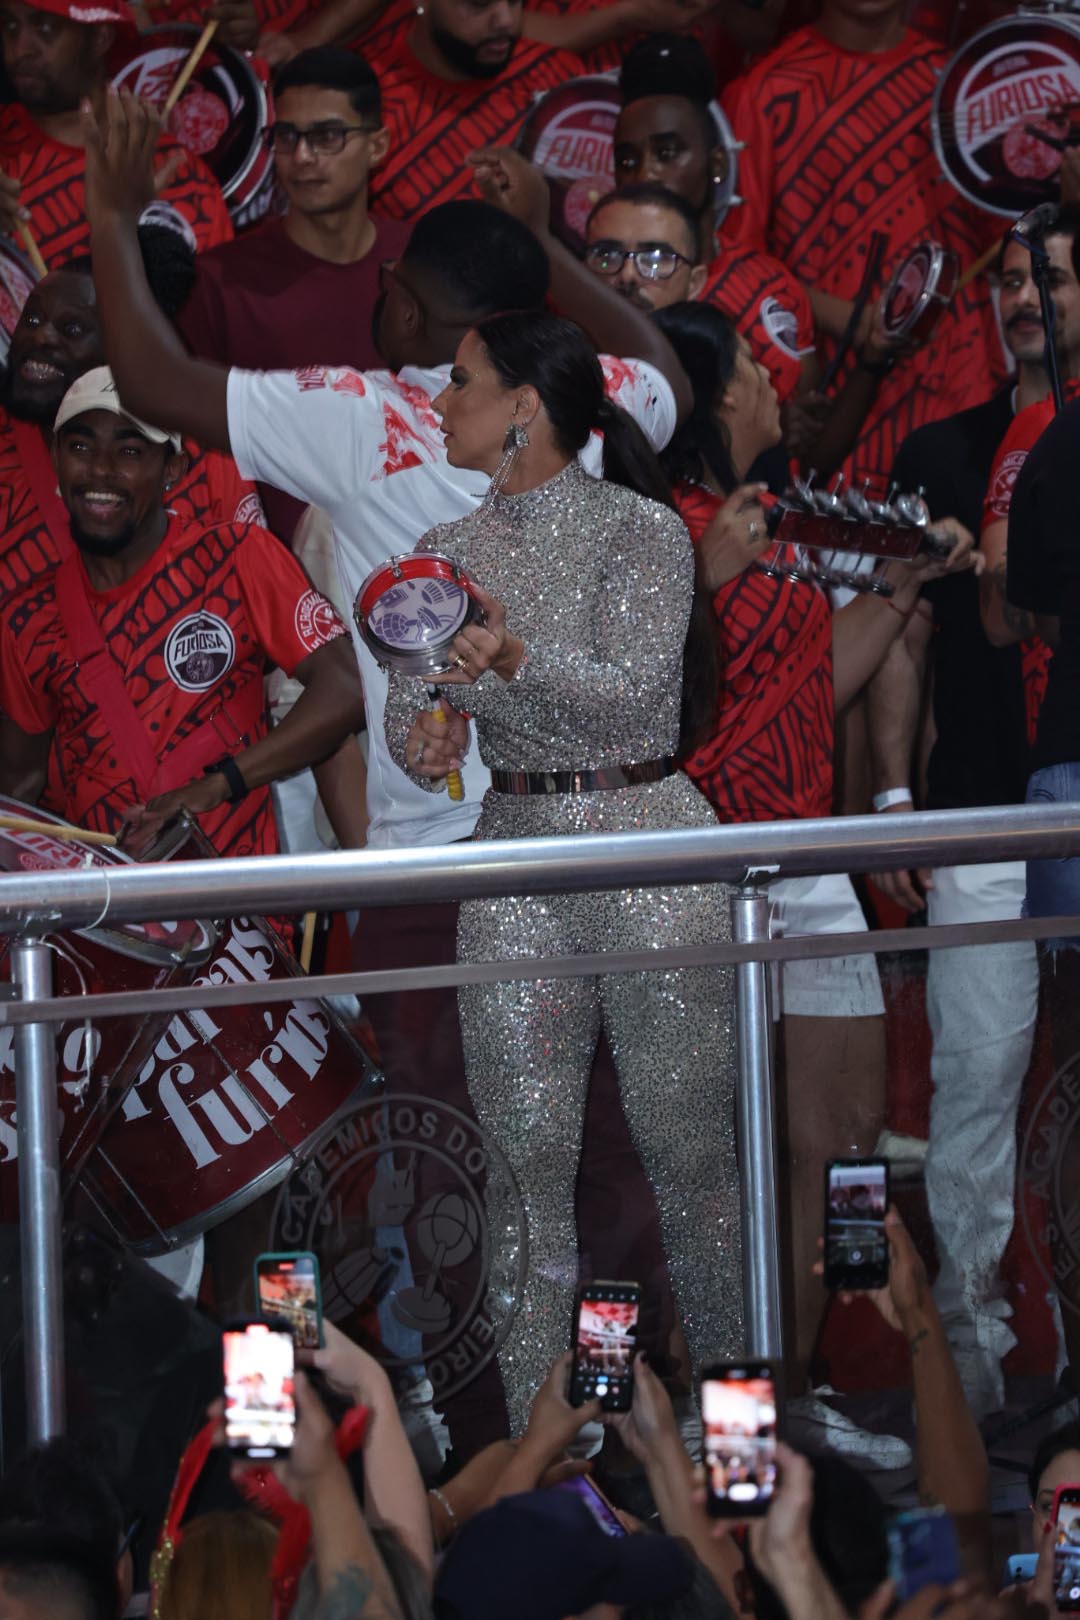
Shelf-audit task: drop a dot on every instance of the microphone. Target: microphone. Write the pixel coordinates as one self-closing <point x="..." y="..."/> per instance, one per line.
<point x="1036" y="224"/>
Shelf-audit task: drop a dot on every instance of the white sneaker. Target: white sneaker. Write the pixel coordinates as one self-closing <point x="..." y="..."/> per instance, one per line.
<point x="426" y="1428"/>
<point x="691" y="1432"/>
<point x="588" y="1440"/>
<point x="816" y="1427"/>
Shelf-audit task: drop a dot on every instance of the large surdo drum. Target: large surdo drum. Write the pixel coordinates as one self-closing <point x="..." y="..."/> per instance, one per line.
<point x="172" y="1122"/>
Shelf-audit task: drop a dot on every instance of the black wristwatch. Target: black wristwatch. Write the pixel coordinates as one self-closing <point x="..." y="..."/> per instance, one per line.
<point x="230" y="770"/>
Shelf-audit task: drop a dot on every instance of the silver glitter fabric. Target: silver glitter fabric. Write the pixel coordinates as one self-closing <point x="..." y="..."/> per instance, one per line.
<point x="597" y="582"/>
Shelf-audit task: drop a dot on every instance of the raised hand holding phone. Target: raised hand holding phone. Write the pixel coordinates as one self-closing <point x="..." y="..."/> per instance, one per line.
<point x="738" y="1409"/>
<point x="856" y="1247"/>
<point x="288" y="1294"/>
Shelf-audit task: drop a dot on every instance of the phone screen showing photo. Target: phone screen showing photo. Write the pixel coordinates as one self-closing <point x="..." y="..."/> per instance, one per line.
<point x="288" y="1294"/>
<point x="599" y="1506"/>
<point x="1067" y="1554"/>
<point x="856" y="1248"/>
<point x="605" y="1338"/>
<point x="260" y="1409"/>
<point x="738" y="1408"/>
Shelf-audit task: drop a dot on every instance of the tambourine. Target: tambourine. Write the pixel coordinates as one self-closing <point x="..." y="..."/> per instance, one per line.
<point x="920" y="291"/>
<point x="409" y="610"/>
<point x="1005" y="109"/>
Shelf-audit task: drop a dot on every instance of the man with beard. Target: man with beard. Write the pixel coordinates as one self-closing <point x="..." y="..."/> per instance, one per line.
<point x="981" y="1000"/>
<point x="58" y="338"/>
<point x="139" y="660"/>
<point x="55" y="56"/>
<point x="462" y="77"/>
<point x="303" y="286"/>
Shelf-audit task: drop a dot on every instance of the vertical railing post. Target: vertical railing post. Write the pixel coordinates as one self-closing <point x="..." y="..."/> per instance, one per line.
<point x="762" y="1308"/>
<point x="38" y="1130"/>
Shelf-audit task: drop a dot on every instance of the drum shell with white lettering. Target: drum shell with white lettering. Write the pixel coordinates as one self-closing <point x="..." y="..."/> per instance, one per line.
<point x="172" y="1122"/>
<point x="1003" y="87"/>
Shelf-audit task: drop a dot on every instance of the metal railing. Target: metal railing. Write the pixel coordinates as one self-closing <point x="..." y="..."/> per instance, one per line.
<point x="43" y="903"/>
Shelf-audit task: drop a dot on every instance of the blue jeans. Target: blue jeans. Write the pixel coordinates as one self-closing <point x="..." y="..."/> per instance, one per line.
<point x="1053" y="887"/>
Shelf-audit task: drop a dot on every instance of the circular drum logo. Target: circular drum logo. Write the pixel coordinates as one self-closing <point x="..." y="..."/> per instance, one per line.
<point x="199" y="651"/>
<point x="1050" y="1183"/>
<point x="420" y="1232"/>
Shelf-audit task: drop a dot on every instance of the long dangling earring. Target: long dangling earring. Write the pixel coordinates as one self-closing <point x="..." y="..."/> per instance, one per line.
<point x="514" y="443"/>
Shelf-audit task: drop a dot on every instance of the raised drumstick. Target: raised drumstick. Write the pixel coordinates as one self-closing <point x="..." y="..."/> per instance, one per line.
<point x="33" y="252"/>
<point x="198" y="51"/>
<point x="983" y="262"/>
<point x="307" y="942"/>
<point x="54" y="830"/>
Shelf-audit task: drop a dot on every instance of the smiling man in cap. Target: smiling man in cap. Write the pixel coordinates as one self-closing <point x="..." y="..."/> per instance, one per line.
<point x="139" y="661"/>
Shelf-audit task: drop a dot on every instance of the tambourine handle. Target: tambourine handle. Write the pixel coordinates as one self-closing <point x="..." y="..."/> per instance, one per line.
<point x="454" y="785"/>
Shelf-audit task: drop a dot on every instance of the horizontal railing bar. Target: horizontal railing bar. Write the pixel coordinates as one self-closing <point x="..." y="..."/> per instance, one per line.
<point x="44" y="901"/>
<point x="129" y="1003"/>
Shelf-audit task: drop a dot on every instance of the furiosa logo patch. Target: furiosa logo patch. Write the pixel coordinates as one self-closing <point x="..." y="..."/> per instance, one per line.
<point x="199" y="651"/>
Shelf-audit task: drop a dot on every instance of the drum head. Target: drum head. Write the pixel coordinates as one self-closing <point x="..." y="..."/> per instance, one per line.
<point x="409" y="611"/>
<point x="17" y="277"/>
<point x="221" y="114"/>
<point x="1012" y="84"/>
<point x="158" y="942"/>
<point x="569" y="136"/>
<point x="917" y="281"/>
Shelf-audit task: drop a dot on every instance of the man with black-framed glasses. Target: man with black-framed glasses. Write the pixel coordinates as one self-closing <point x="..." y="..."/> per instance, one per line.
<point x="302" y="288"/>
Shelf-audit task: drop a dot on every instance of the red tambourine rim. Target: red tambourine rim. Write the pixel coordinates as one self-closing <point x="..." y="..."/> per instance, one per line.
<point x="411" y="565"/>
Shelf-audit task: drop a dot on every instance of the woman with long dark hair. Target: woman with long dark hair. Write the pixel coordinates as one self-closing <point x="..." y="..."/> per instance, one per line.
<point x="575" y="681"/>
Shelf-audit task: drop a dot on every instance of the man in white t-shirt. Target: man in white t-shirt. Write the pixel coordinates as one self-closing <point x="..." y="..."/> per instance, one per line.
<point x="366" y="447"/>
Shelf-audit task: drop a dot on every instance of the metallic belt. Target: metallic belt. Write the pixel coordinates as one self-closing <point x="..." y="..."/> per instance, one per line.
<point x="608" y="776"/>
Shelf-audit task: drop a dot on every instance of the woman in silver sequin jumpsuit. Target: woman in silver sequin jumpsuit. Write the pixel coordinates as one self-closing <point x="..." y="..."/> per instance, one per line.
<point x="580" y="668"/>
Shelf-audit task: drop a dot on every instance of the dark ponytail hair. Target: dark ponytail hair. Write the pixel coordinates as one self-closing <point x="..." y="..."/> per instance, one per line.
<point x="706" y="343"/>
<point x="555" y="357"/>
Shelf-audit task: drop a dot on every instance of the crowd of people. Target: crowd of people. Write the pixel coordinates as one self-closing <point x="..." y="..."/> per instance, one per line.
<point x="224" y="408"/>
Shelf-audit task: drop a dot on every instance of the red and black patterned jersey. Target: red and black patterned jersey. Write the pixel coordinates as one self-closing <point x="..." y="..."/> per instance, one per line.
<point x="770" y="757"/>
<point x="435" y="123"/>
<point x="273" y="15"/>
<point x="837" y="146"/>
<point x="190" y="632"/>
<point x="211" y="490"/>
<point x="769" y="308"/>
<point x="51" y="176"/>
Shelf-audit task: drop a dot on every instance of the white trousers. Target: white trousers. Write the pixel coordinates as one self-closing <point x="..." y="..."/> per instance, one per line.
<point x="981" y="1003"/>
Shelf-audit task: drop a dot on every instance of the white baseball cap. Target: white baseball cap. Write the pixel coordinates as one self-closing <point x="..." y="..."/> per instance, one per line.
<point x="96" y="391"/>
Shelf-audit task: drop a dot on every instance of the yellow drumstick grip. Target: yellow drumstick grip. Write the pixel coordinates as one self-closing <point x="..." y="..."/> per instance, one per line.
<point x="454" y="785"/>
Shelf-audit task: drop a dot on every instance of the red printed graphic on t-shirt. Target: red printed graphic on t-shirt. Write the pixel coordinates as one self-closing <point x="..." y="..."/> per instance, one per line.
<point x="770" y="756"/>
<point x="51" y="176"/>
<point x="836" y="147"/>
<point x="191" y="633"/>
<point x="768" y="306"/>
<point x="435" y="123"/>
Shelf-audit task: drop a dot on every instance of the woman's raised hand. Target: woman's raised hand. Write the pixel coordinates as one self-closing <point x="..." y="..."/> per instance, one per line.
<point x="436" y="744"/>
<point x="736" y="537"/>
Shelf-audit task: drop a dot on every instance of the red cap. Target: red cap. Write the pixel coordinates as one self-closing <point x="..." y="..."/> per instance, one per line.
<point x="89" y="11"/>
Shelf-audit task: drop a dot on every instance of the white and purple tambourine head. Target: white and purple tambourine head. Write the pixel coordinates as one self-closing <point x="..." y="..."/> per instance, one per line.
<point x="410" y="609"/>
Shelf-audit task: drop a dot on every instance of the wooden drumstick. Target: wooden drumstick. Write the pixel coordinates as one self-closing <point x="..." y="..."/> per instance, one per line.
<point x="33" y="252"/>
<point x="307" y="942"/>
<point x="54" y="830"/>
<point x="198" y="51"/>
<point x="983" y="262"/>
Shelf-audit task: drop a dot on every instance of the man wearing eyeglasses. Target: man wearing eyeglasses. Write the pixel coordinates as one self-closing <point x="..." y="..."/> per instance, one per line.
<point x="644" y="240"/>
<point x="302" y="288"/>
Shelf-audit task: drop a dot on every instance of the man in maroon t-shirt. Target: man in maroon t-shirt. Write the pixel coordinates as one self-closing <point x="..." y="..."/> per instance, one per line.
<point x="301" y="289"/>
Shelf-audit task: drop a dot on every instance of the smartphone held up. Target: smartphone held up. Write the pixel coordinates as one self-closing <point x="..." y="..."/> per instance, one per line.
<point x="605" y="1339"/>
<point x="1067" y="1548"/>
<point x="856" y="1245"/>
<point x="288" y="1295"/>
<point x="258" y="1363"/>
<point x="738" y="1409"/>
